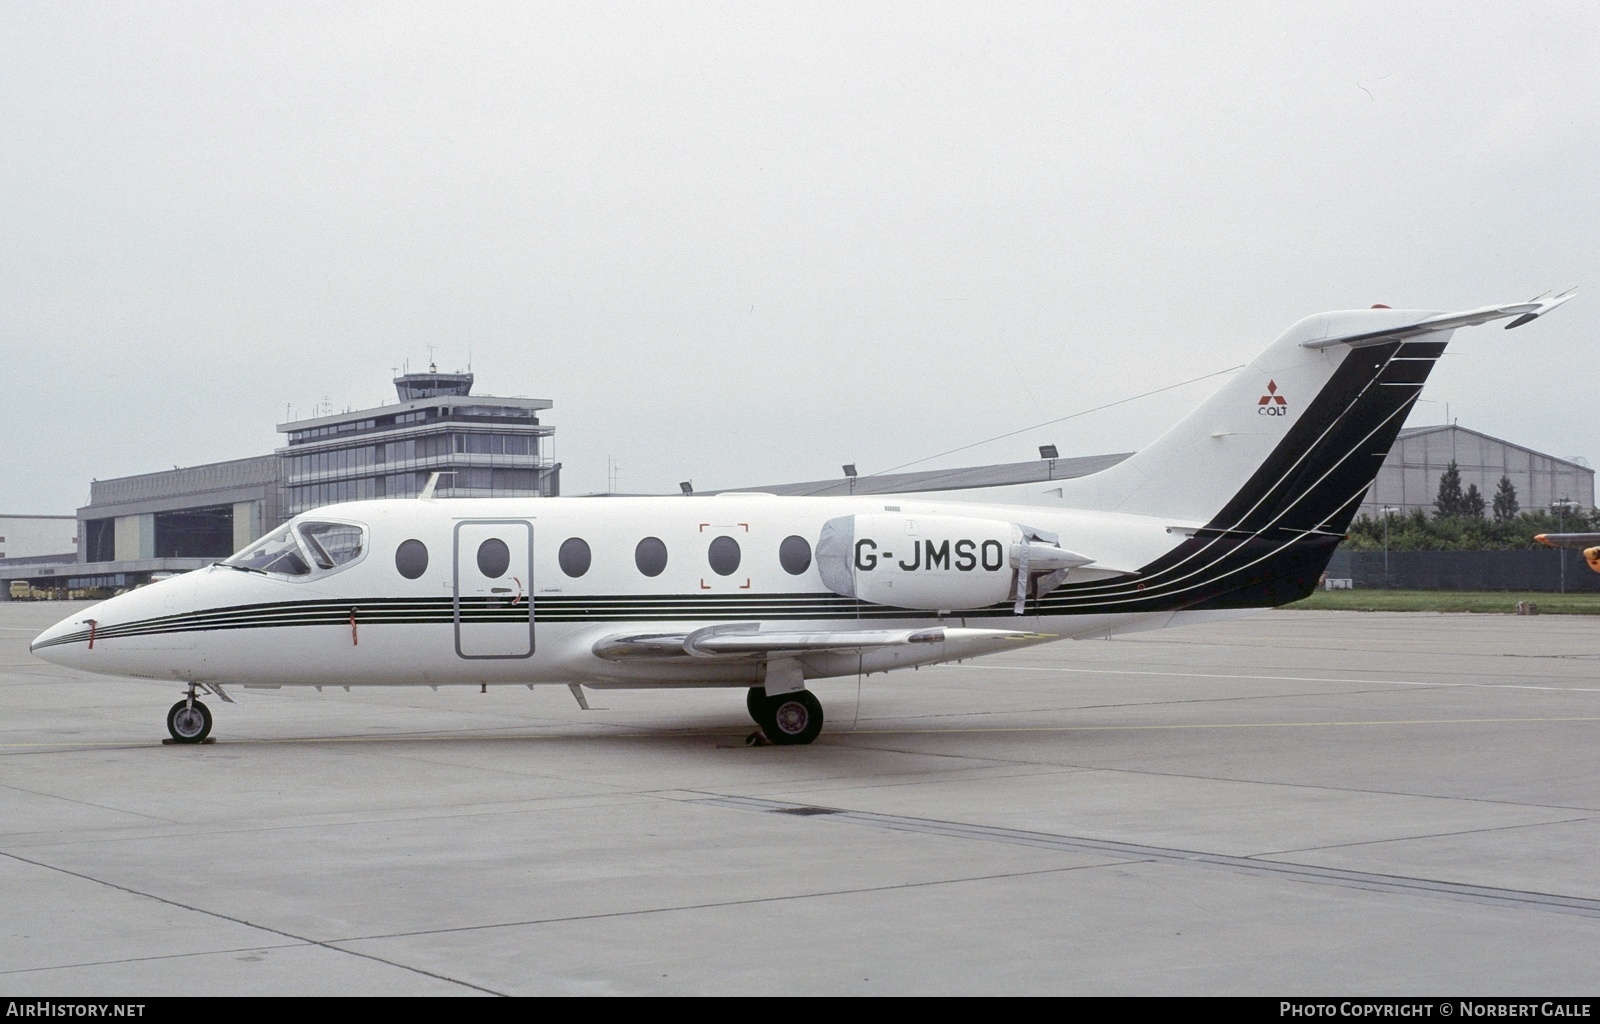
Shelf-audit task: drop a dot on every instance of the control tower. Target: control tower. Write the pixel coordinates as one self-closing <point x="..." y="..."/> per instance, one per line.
<point x="495" y="447"/>
<point x="433" y="384"/>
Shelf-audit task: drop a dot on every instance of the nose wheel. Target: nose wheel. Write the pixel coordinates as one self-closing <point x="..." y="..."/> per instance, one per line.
<point x="787" y="719"/>
<point x="189" y="721"/>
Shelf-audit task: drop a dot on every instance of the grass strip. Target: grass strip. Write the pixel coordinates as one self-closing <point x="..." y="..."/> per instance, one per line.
<point x="1503" y="602"/>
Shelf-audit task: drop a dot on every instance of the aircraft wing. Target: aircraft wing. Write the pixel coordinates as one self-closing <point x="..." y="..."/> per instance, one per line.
<point x="1523" y="311"/>
<point x="1589" y="542"/>
<point x="1568" y="540"/>
<point x="746" y="640"/>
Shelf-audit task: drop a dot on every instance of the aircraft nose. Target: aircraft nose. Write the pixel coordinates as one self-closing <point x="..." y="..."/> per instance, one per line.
<point x="66" y="641"/>
<point x="131" y="634"/>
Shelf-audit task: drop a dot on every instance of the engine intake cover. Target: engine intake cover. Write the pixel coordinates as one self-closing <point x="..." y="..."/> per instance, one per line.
<point x="930" y="562"/>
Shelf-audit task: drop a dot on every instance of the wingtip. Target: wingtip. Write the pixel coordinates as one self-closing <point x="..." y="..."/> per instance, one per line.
<point x="1545" y="305"/>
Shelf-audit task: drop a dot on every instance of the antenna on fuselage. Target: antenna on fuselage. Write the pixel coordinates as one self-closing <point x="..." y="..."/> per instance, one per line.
<point x="433" y="483"/>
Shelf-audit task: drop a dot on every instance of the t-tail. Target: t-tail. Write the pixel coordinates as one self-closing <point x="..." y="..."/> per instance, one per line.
<point x="1268" y="473"/>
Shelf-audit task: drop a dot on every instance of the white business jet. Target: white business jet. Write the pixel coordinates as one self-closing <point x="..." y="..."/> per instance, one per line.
<point x="1237" y="508"/>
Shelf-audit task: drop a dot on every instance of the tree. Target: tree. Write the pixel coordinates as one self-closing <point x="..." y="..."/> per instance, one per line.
<point x="1450" y="500"/>
<point x="1505" y="501"/>
<point x="1472" y="503"/>
<point x="1414" y="531"/>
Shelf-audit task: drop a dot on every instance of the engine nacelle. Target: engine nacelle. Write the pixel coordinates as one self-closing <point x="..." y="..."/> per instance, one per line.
<point x="932" y="562"/>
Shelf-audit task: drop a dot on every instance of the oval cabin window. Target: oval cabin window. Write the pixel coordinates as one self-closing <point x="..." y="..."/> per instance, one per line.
<point x="723" y="556"/>
<point x="411" y="559"/>
<point x="794" y="554"/>
<point x="651" y="556"/>
<point x="494" y="558"/>
<point x="574" y="556"/>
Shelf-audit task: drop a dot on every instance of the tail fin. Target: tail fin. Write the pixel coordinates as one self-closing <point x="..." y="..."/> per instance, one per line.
<point x="1271" y="486"/>
<point x="1297" y="437"/>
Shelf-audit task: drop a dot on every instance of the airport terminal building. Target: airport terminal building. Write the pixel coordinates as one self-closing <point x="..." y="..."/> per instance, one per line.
<point x="141" y="526"/>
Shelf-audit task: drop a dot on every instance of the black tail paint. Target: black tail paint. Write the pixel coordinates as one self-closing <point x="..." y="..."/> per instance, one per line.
<point x="1271" y="542"/>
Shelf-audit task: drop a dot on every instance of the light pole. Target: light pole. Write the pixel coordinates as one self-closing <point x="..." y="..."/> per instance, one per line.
<point x="1562" y="507"/>
<point x="1388" y="510"/>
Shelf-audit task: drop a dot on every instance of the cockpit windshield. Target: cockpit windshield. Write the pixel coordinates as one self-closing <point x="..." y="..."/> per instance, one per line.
<point x="331" y="544"/>
<point x="304" y="548"/>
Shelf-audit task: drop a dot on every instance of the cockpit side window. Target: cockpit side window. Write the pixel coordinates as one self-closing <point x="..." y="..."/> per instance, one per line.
<point x="307" y="548"/>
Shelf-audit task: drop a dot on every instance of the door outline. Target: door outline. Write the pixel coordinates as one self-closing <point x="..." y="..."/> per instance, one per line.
<point x="526" y="577"/>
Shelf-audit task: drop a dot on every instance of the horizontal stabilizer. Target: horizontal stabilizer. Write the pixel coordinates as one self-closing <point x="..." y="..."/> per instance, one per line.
<point x="1523" y="311"/>
<point x="747" y="640"/>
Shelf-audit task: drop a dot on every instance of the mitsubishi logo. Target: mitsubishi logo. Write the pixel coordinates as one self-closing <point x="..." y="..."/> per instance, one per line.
<point x="1272" y="403"/>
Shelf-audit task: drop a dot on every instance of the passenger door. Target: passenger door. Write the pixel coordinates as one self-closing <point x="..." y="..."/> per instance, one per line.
<point x="493" y="588"/>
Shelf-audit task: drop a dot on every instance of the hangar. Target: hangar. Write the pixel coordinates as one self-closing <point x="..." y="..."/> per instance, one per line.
<point x="1409" y="478"/>
<point x="1410" y="475"/>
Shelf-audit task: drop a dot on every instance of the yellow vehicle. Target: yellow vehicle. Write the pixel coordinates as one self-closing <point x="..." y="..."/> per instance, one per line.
<point x="21" y="590"/>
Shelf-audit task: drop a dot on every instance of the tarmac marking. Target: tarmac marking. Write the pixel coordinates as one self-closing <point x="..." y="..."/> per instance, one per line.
<point x="1578" y="905"/>
<point x="324" y="944"/>
<point x="718" y="904"/>
<point x="1212" y="725"/>
<point x="521" y="737"/>
<point x="1275" y="679"/>
<point x="163" y="956"/>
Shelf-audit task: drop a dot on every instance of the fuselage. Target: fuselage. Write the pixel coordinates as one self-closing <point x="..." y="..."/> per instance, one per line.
<point x="497" y="591"/>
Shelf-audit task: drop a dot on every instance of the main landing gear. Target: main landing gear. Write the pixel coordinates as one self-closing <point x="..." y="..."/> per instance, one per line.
<point x="788" y="718"/>
<point x="189" y="721"/>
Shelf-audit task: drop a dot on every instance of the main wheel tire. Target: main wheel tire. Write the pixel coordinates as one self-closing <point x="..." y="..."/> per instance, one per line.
<point x="755" y="701"/>
<point x="189" y="724"/>
<point x="792" y="718"/>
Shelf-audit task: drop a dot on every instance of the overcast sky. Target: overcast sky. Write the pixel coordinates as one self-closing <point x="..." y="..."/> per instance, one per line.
<point x="745" y="243"/>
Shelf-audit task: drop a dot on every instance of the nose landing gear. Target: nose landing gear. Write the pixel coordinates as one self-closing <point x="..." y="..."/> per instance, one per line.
<point x="189" y="721"/>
